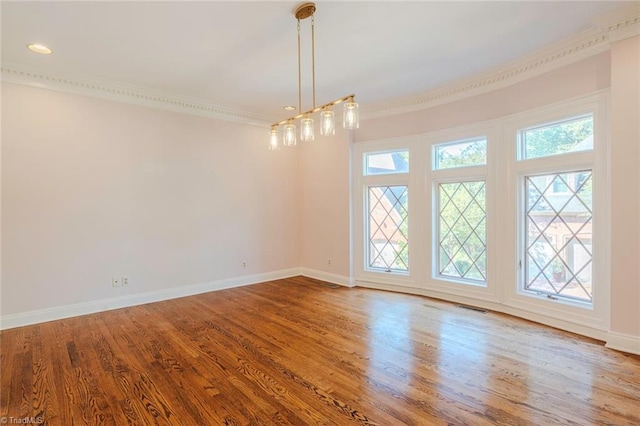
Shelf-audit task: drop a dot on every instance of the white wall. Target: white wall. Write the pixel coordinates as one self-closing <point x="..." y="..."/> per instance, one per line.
<point x="625" y="188"/>
<point x="93" y="189"/>
<point x="324" y="207"/>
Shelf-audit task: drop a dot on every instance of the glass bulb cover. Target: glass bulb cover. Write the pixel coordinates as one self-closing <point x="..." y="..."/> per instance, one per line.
<point x="289" y="135"/>
<point x="273" y="140"/>
<point x="351" y="119"/>
<point x="327" y="123"/>
<point x="306" y="129"/>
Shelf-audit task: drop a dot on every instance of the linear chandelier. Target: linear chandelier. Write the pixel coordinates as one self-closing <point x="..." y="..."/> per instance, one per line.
<point x="350" y="119"/>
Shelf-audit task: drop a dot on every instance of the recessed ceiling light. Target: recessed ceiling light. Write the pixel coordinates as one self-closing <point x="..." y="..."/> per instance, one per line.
<point x="39" y="48"/>
<point x="289" y="108"/>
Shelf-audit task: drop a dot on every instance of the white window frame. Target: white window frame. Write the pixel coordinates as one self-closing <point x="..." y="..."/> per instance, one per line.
<point x="593" y="315"/>
<point x="362" y="182"/>
<point x="450" y="285"/>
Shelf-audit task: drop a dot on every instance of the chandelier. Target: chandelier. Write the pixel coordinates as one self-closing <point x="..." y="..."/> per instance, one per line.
<point x="327" y="117"/>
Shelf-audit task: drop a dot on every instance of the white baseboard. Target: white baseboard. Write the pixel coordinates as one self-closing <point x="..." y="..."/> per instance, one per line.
<point x="51" y="314"/>
<point x="328" y="277"/>
<point x="623" y="342"/>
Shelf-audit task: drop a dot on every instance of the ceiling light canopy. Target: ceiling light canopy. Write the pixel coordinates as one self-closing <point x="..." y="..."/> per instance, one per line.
<point x="39" y="48"/>
<point x="350" y="119"/>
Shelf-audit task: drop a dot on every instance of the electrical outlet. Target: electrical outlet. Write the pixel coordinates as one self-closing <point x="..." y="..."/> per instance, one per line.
<point x="329" y="262"/>
<point x="244" y="265"/>
<point x="125" y="281"/>
<point x="115" y="282"/>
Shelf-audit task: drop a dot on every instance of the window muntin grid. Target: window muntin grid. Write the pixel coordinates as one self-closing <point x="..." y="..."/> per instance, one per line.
<point x="462" y="238"/>
<point x="388" y="236"/>
<point x="558" y="235"/>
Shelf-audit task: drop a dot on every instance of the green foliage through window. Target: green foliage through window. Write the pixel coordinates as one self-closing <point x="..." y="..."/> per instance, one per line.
<point x="559" y="138"/>
<point x="461" y="154"/>
<point x="462" y="230"/>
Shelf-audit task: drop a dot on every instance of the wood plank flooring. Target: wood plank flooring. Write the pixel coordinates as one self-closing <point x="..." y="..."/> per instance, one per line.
<point x="296" y="352"/>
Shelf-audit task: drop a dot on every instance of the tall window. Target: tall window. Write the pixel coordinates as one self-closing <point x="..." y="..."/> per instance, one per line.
<point x="388" y="228"/>
<point x="557" y="212"/>
<point x="387" y="233"/>
<point x="460" y="187"/>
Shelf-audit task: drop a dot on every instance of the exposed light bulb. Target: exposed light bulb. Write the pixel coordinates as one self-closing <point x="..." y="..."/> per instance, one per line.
<point x="306" y="129"/>
<point x="351" y="116"/>
<point x="327" y="123"/>
<point x="289" y="134"/>
<point x="273" y="139"/>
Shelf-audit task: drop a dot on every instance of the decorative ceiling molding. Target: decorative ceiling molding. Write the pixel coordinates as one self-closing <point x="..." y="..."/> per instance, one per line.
<point x="623" y="24"/>
<point x="610" y="28"/>
<point x="131" y="94"/>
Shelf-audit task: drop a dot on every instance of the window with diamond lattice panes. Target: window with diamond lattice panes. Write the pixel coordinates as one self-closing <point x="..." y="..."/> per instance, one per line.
<point x="559" y="234"/>
<point x="388" y="228"/>
<point x="462" y="247"/>
<point x="461" y="239"/>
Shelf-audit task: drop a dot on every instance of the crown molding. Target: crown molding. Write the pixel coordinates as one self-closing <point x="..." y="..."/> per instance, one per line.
<point x="621" y="24"/>
<point x="617" y="25"/>
<point x="131" y="94"/>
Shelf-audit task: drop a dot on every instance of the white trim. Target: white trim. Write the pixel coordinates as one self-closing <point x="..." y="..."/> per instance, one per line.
<point x="131" y="94"/>
<point x="595" y="316"/>
<point x="51" y="314"/>
<point x="580" y="329"/>
<point x="623" y="342"/>
<point x="327" y="276"/>
<point x="621" y="23"/>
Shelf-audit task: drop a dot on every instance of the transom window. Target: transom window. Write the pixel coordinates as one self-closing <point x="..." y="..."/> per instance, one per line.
<point x="572" y="135"/>
<point x="465" y="153"/>
<point x="382" y="163"/>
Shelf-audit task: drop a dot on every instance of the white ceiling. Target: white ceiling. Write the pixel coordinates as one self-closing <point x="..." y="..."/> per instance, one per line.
<point x="243" y="54"/>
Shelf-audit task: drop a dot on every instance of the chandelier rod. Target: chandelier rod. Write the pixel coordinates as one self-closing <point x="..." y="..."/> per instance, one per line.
<point x="313" y="58"/>
<point x="314" y="110"/>
<point x="299" y="72"/>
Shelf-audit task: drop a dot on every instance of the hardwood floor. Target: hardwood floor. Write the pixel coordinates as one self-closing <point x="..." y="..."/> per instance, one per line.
<point x="298" y="352"/>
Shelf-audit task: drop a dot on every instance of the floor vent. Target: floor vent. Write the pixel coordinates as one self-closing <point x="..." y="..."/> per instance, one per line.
<point x="472" y="308"/>
<point x="331" y="285"/>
